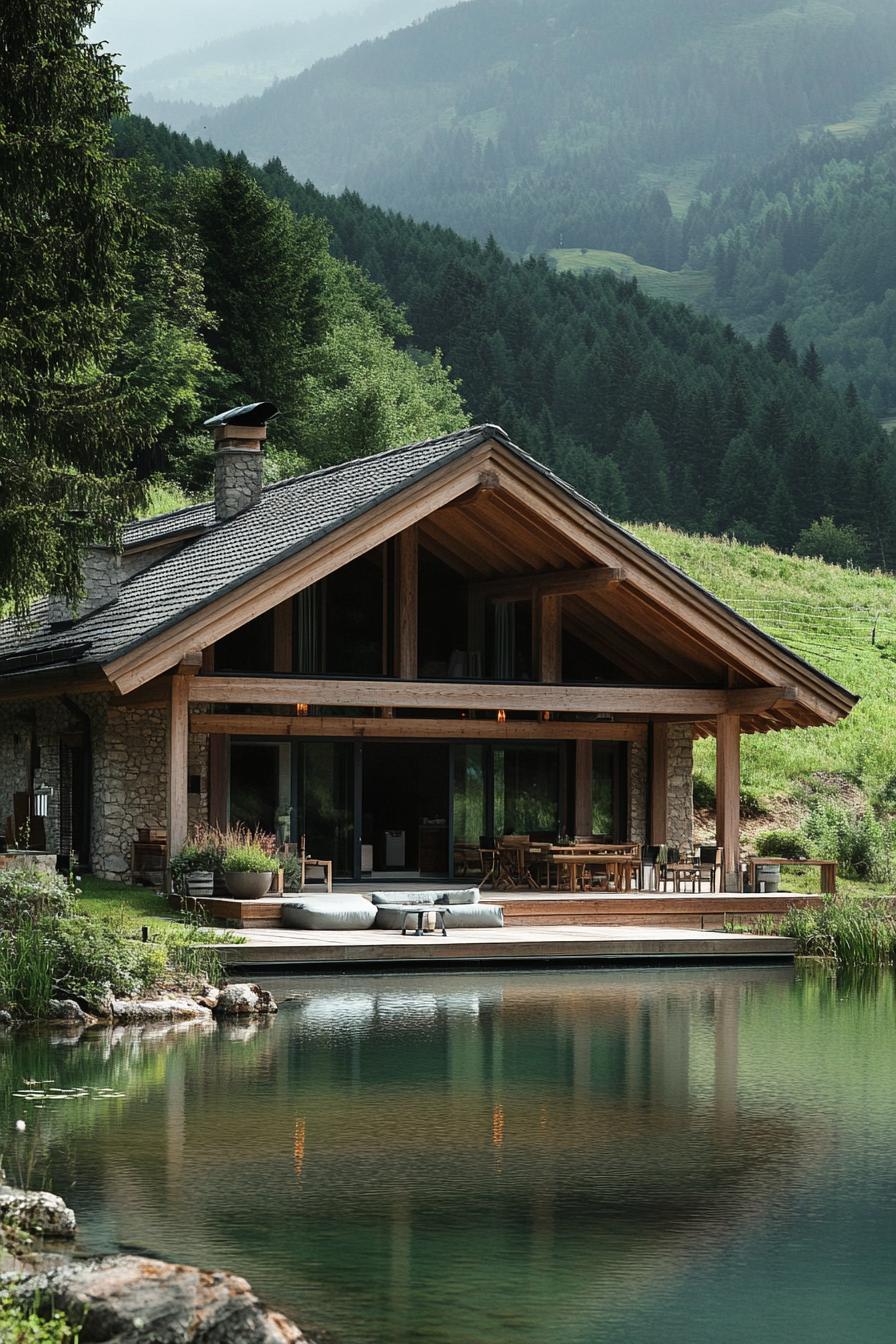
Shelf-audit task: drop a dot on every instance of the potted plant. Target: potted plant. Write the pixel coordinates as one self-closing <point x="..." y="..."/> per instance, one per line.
<point x="193" y="869"/>
<point x="248" y="870"/>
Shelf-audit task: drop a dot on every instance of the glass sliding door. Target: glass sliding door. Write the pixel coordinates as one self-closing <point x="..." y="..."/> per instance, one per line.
<point x="325" y="802"/>
<point x="260" y="784"/>
<point x="469" y="797"/>
<point x="527" y="791"/>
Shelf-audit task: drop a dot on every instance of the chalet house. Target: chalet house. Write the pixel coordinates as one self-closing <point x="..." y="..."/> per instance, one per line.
<point x="391" y="657"/>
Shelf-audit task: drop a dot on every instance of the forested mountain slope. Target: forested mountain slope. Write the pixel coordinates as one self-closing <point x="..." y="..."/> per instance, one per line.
<point x="655" y="412"/>
<point x="562" y="122"/>
<point x="808" y="240"/>
<point x="248" y="62"/>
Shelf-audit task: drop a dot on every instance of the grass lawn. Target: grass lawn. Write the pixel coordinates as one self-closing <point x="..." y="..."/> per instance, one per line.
<point x="841" y="620"/>
<point x="678" y="286"/>
<point x="120" y="901"/>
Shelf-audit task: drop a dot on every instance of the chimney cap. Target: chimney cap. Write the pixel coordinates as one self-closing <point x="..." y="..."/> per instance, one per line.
<point x="255" y="413"/>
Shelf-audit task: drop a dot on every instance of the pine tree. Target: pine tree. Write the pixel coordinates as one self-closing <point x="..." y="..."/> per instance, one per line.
<point x="643" y="469"/>
<point x="781" y="521"/>
<point x="779" y="346"/>
<point x="812" y="365"/>
<point x="609" y="490"/>
<point x="68" y="435"/>
<point x="265" y="276"/>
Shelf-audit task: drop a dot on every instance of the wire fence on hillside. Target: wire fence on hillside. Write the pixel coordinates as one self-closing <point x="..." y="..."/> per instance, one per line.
<point x="819" y="629"/>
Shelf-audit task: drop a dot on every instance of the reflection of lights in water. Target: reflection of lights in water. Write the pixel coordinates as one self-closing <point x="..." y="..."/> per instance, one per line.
<point x="298" y="1148"/>
<point x="497" y="1125"/>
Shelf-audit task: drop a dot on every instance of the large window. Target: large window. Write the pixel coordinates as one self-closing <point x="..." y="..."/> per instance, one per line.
<point x="527" y="791"/>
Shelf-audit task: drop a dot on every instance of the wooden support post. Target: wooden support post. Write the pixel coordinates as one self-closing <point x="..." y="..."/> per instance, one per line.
<point x="178" y="752"/>
<point x="659" y="783"/>
<point x="584" y="809"/>
<point x="406" y="606"/>
<point x="549" y="624"/>
<point x="728" y="796"/>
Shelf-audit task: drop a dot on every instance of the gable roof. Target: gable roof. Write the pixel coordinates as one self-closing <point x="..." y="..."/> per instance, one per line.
<point x="290" y="514"/>
<point x="212" y="559"/>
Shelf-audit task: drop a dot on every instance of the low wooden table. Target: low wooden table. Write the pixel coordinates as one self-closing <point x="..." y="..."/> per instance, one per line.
<point x="420" y="911"/>
<point x="827" y="870"/>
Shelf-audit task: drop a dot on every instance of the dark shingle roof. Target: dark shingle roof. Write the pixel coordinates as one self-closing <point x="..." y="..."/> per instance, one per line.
<point x="167" y="525"/>
<point x="289" y="516"/>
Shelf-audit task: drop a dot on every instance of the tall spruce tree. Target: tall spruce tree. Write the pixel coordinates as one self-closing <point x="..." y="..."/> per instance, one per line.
<point x="67" y="437"/>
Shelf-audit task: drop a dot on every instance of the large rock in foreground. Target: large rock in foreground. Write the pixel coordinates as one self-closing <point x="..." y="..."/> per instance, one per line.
<point x="128" y="1299"/>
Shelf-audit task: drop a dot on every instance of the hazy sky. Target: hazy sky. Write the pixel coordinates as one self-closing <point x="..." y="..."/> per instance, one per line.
<point x="141" y="30"/>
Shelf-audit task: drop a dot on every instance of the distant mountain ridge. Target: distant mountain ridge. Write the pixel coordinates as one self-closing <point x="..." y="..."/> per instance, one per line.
<point x="562" y="123"/>
<point x="652" y="410"/>
<point x="236" y="66"/>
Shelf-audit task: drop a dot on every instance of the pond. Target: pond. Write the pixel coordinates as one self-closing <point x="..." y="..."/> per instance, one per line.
<point x="580" y="1157"/>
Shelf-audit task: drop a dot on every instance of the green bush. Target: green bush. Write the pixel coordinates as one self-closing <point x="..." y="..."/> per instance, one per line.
<point x="30" y="893"/>
<point x="782" y="844"/>
<point x="861" y="846"/>
<point x="92" y="957"/>
<point x="248" y="859"/>
<point x="704" y="793"/>
<point x="24" y="1325"/>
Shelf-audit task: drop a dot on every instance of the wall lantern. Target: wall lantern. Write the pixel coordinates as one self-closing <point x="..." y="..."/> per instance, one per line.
<point x="502" y="715"/>
<point x="302" y="711"/>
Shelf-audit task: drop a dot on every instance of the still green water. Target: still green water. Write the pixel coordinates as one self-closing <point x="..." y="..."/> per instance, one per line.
<point x="630" y="1157"/>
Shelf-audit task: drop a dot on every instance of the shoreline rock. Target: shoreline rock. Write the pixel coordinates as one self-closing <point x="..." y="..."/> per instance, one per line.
<point x="131" y="1299"/>
<point x="240" y="1000"/>
<point x="37" y="1212"/>
<point x="244" y="1000"/>
<point x="171" y="1008"/>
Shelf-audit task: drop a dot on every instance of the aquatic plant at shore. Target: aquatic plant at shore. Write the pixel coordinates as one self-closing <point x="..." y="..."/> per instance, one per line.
<point x="851" y="930"/>
<point x="49" y="949"/>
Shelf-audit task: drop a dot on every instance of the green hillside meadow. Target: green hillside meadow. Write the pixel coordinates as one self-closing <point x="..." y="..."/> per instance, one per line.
<point x="683" y="286"/>
<point x="841" y="620"/>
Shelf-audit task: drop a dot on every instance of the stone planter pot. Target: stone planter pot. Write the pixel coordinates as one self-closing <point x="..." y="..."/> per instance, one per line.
<point x="200" y="885"/>
<point x="248" y="886"/>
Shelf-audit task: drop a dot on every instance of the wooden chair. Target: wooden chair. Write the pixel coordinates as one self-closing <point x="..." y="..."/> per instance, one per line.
<point x="513" y="859"/>
<point x="709" y="859"/>
<point x="489" y="861"/>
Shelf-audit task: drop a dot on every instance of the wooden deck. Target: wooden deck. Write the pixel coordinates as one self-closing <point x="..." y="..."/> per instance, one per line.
<point x="299" y="950"/>
<point x="704" y="910"/>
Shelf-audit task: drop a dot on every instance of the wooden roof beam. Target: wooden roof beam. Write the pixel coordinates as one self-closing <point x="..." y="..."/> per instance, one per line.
<point x="531" y="696"/>
<point x="555" y="583"/>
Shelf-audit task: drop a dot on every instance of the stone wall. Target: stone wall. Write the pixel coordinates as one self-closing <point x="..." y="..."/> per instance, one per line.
<point x="129" y="758"/>
<point x="40" y="722"/>
<point x="637" y="793"/>
<point x="680" y="785"/>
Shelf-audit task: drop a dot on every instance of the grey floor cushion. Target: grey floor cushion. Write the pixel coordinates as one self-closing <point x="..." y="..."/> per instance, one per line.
<point x="473" y="916"/>
<point x="333" y="912"/>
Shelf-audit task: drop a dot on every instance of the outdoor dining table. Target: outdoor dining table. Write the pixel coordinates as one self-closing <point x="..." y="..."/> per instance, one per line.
<point x="576" y="860"/>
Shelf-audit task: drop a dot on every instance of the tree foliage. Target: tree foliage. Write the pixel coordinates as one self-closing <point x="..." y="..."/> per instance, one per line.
<point x="570" y="365"/>
<point x="68" y="427"/>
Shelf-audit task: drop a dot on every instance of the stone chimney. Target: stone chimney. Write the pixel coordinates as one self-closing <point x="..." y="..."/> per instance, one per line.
<point x="101" y="572"/>
<point x="239" y="468"/>
<point x="239" y="461"/>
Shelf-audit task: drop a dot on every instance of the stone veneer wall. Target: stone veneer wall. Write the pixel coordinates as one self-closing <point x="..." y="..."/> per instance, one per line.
<point x="680" y="785"/>
<point x="637" y="793"/>
<point x="129" y="770"/>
